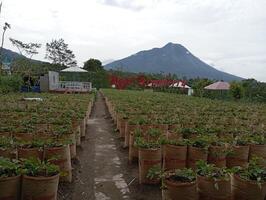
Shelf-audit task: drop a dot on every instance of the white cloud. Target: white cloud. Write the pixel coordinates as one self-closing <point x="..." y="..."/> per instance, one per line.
<point x="230" y="33"/>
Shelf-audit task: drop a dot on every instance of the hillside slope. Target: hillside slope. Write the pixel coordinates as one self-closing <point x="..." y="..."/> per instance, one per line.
<point x="172" y="58"/>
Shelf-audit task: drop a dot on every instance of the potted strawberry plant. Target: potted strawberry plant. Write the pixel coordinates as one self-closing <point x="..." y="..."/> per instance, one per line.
<point x="176" y="184"/>
<point x="197" y="150"/>
<point x="174" y="154"/>
<point x="30" y="149"/>
<point x="58" y="152"/>
<point x="250" y="183"/>
<point x="66" y="133"/>
<point x="7" y="148"/>
<point x="10" y="179"/>
<point x="217" y="152"/>
<point x="257" y="146"/>
<point x="149" y="157"/>
<point x="213" y="182"/>
<point x="40" y="180"/>
<point x="180" y="184"/>
<point x="238" y="152"/>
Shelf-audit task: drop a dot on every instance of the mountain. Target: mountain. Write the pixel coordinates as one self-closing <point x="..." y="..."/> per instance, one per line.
<point x="9" y="56"/>
<point x="172" y="58"/>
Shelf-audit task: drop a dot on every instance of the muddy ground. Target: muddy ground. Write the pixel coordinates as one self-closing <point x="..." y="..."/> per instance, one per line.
<point x="101" y="170"/>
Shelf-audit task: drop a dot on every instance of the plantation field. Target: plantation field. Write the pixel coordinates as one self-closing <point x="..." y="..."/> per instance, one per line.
<point x="197" y="114"/>
<point x="54" y="115"/>
<point x="213" y="149"/>
<point x="195" y="147"/>
<point x="38" y="140"/>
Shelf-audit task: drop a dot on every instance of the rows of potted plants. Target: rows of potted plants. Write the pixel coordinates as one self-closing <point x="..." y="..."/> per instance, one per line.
<point x="221" y="135"/>
<point x="159" y="109"/>
<point x="209" y="182"/>
<point x="28" y="179"/>
<point x="152" y="147"/>
<point x="44" y="129"/>
<point x="136" y="107"/>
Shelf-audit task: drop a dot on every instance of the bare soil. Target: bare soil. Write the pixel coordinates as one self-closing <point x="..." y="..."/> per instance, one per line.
<point x="101" y="170"/>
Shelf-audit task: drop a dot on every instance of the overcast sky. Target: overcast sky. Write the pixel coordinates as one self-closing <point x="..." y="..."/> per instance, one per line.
<point x="229" y="34"/>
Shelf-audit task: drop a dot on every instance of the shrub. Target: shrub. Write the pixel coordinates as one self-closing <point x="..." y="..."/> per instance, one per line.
<point x="236" y="90"/>
<point x="10" y="84"/>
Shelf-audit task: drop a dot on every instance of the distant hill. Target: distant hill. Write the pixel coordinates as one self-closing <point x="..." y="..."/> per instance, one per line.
<point x="172" y="58"/>
<point x="9" y="56"/>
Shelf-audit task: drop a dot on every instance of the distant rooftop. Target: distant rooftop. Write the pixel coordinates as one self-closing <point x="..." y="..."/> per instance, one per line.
<point x="220" y="85"/>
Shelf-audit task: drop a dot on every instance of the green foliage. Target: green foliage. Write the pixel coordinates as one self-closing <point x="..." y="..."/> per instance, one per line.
<point x="36" y="167"/>
<point x="198" y="86"/>
<point x="217" y="94"/>
<point x="29" y="49"/>
<point x="58" y="52"/>
<point x="24" y="67"/>
<point x="10" y="83"/>
<point x="201" y="141"/>
<point x="185" y="175"/>
<point x="258" y="139"/>
<point x="155" y="172"/>
<point x="210" y="171"/>
<point x="254" y="171"/>
<point x="93" y="65"/>
<point x="9" y="168"/>
<point x="36" y="143"/>
<point x="6" y="142"/>
<point x="236" y="90"/>
<point x="241" y="140"/>
<point x="154" y="133"/>
<point x="254" y="90"/>
<point x="181" y="175"/>
<point x="142" y="143"/>
<point x="99" y="79"/>
<point x="183" y="142"/>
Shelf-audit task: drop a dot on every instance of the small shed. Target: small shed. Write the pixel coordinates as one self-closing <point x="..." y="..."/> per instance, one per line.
<point x="220" y="85"/>
<point x="217" y="90"/>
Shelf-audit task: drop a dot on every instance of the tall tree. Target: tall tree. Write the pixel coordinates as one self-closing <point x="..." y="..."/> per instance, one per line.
<point x="58" y="52"/>
<point x="93" y="65"/>
<point x="26" y="49"/>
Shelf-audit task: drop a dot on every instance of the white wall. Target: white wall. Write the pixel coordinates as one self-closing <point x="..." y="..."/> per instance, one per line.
<point x="53" y="80"/>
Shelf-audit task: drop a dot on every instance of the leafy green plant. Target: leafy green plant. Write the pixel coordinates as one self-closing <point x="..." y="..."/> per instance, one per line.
<point x="9" y="168"/>
<point x="254" y="172"/>
<point x="212" y="172"/>
<point x="142" y="143"/>
<point x="154" y="133"/>
<point x="57" y="143"/>
<point x="201" y="141"/>
<point x="187" y="132"/>
<point x="10" y="83"/>
<point x="36" y="167"/>
<point x="181" y="175"/>
<point x="236" y="90"/>
<point x="216" y="141"/>
<point x="185" y="175"/>
<point x="241" y="140"/>
<point x="179" y="142"/>
<point x="155" y="172"/>
<point x="6" y="142"/>
<point x="36" y="143"/>
<point x="258" y="139"/>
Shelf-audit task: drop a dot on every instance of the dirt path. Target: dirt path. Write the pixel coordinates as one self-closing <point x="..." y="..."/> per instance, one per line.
<point x="101" y="170"/>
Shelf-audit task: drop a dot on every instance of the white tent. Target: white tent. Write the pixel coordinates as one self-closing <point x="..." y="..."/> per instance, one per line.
<point x="74" y="69"/>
